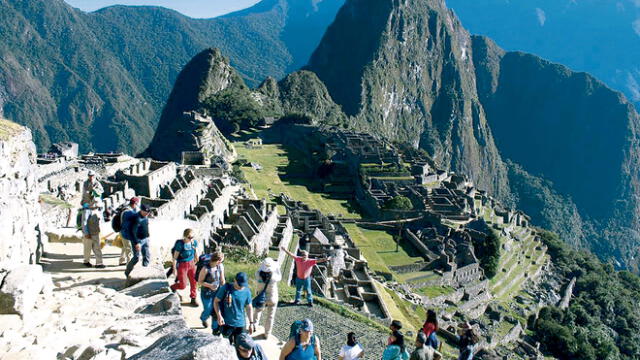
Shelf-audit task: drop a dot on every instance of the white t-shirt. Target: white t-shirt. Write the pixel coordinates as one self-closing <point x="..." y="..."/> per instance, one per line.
<point x="350" y="352"/>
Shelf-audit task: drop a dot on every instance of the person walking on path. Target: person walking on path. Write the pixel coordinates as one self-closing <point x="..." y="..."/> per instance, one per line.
<point x="303" y="345"/>
<point x="351" y="351"/>
<point x="211" y="278"/>
<point x="139" y="239"/>
<point x="423" y="351"/>
<point x="304" y="267"/>
<point x="267" y="277"/>
<point x="185" y="253"/>
<point x="396" y="349"/>
<point x="91" y="189"/>
<point x="90" y="226"/>
<point x="467" y="341"/>
<point x="430" y="328"/>
<point x="247" y="349"/>
<point x="231" y="305"/>
<point x="127" y="217"/>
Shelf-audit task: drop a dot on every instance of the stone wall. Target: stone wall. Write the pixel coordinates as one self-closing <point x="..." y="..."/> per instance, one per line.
<point x="20" y="213"/>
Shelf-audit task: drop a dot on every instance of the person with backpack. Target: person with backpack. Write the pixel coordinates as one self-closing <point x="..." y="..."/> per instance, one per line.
<point x="302" y="344"/>
<point x="121" y="222"/>
<point x="267" y="277"/>
<point x="185" y="253"/>
<point x="90" y="226"/>
<point x="247" y="349"/>
<point x="467" y="341"/>
<point x="353" y="350"/>
<point x="430" y="328"/>
<point x="304" y="267"/>
<point x="210" y="279"/>
<point x="139" y="230"/>
<point x="232" y="305"/>
<point x="423" y="351"/>
<point x="396" y="349"/>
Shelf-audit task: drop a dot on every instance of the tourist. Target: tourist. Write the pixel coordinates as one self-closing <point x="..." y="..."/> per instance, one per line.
<point x="303" y="345"/>
<point x="337" y="261"/>
<point x="231" y="305"/>
<point x="139" y="230"/>
<point x="423" y="351"/>
<point x="90" y="226"/>
<point x="126" y="217"/>
<point x="352" y="350"/>
<point x="247" y="349"/>
<point x="396" y="325"/>
<point x="467" y="341"/>
<point x="185" y="253"/>
<point x="396" y="349"/>
<point x="211" y="278"/>
<point x="91" y="189"/>
<point x="304" y="266"/>
<point x="267" y="276"/>
<point x="430" y="328"/>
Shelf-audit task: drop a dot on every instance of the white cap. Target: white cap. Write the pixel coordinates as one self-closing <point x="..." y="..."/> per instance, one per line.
<point x="92" y="173"/>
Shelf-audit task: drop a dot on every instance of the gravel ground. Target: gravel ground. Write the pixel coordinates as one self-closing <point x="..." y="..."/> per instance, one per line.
<point x="332" y="330"/>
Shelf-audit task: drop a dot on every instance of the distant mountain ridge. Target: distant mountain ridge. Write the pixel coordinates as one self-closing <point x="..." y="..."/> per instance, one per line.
<point x="102" y="78"/>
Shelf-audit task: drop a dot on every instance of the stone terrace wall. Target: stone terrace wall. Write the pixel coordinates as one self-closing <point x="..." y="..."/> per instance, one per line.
<point x="19" y="208"/>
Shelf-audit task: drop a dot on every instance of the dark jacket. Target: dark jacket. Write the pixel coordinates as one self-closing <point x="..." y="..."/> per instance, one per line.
<point x="139" y="228"/>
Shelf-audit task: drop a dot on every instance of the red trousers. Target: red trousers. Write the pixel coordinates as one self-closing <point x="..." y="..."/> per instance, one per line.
<point x="186" y="272"/>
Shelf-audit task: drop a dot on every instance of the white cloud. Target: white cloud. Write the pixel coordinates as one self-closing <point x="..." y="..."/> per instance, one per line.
<point x="542" y="17"/>
<point x="636" y="26"/>
<point x="192" y="8"/>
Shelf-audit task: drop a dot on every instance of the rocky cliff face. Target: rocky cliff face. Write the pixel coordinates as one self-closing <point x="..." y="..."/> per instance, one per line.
<point x="18" y="195"/>
<point x="571" y="129"/>
<point x="404" y="69"/>
<point x="204" y="76"/>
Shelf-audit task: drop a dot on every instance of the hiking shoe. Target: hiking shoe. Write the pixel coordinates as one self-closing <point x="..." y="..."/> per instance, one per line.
<point x="205" y="324"/>
<point x="310" y="304"/>
<point x="101" y="266"/>
<point x="296" y="302"/>
<point x="193" y="302"/>
<point x="88" y="264"/>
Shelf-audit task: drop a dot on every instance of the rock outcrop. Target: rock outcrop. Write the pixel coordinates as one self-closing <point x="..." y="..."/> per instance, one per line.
<point x="188" y="344"/>
<point x="18" y="195"/>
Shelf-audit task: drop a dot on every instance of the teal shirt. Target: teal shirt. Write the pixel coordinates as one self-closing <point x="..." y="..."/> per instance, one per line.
<point x="393" y="352"/>
<point x="233" y="314"/>
<point x="187" y="250"/>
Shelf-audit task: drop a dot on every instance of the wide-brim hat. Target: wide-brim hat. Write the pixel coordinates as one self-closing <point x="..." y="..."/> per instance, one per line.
<point x="269" y="265"/>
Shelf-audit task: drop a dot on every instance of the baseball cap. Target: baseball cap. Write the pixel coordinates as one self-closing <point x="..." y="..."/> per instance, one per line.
<point x="134" y="200"/>
<point x="242" y="279"/>
<point x="245" y="340"/>
<point x="422" y="337"/>
<point x="92" y="173"/>
<point x="145" y="208"/>
<point x="307" y="325"/>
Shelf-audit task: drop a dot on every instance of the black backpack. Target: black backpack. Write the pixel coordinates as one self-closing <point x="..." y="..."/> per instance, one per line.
<point x="203" y="260"/>
<point x="116" y="222"/>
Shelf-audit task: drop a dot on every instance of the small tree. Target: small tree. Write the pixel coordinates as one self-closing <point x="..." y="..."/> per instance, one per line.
<point x="398" y="203"/>
<point x="488" y="253"/>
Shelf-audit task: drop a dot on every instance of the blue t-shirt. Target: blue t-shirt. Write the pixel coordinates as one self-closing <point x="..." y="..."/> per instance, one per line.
<point x="187" y="250"/>
<point x="233" y="314"/>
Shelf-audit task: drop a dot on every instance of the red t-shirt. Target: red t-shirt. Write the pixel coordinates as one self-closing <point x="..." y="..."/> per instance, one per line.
<point x="303" y="268"/>
<point x="428" y="328"/>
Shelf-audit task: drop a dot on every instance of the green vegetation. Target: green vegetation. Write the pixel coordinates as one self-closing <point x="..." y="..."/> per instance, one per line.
<point x="603" y="319"/>
<point x="233" y="109"/>
<point x="435" y="291"/>
<point x="52" y="200"/>
<point x="488" y="252"/>
<point x="398" y="203"/>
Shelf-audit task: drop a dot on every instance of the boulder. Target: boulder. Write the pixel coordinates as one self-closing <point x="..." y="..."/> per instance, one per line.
<point x="161" y="304"/>
<point x="142" y="273"/>
<point x="186" y="345"/>
<point x="20" y="289"/>
<point x="147" y="288"/>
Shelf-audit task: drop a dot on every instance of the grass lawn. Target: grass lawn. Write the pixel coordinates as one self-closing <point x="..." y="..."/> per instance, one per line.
<point x="275" y="161"/>
<point x="435" y="291"/>
<point x="379" y="248"/>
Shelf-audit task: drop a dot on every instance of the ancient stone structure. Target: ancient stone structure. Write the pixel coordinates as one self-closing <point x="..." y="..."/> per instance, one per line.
<point x="254" y="225"/>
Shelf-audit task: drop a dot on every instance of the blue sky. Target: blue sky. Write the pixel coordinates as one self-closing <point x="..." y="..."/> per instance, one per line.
<point x="192" y="8"/>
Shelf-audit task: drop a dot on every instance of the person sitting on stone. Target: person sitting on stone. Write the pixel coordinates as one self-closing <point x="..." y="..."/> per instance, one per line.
<point x="90" y="226"/>
<point x="304" y="267"/>
<point x="211" y="278"/>
<point x="232" y="305"/>
<point x="91" y="189"/>
<point x="303" y="345"/>
<point x="247" y="349"/>
<point x="185" y="253"/>
<point x="139" y="230"/>
<point x="267" y="276"/>
<point x="422" y="351"/>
